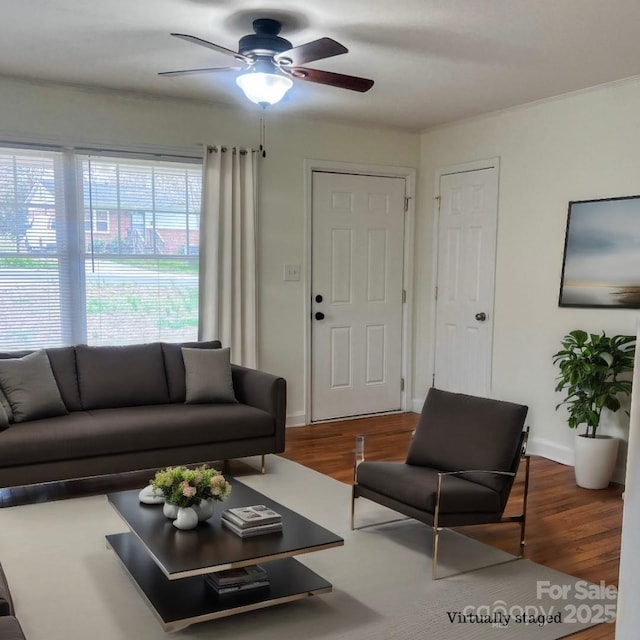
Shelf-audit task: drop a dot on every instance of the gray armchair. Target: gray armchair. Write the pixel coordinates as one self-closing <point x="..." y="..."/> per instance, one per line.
<point x="460" y="467"/>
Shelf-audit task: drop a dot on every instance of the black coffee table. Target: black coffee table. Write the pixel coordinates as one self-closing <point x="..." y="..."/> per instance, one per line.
<point x="167" y="564"/>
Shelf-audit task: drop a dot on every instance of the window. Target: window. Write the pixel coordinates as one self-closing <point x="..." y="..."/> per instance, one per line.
<point x="96" y="221"/>
<point x="117" y="265"/>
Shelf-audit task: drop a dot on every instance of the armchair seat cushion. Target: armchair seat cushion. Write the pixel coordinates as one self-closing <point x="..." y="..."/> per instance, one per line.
<point x="416" y="486"/>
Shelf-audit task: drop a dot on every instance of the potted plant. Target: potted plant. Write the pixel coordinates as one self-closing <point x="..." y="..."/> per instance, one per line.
<point x="190" y="494"/>
<point x="593" y="372"/>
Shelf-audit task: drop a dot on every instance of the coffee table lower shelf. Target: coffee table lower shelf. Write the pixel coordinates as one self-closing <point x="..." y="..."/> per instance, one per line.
<point x="183" y="602"/>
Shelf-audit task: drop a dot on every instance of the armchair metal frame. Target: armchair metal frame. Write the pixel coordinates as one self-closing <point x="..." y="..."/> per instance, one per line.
<point x="434" y="521"/>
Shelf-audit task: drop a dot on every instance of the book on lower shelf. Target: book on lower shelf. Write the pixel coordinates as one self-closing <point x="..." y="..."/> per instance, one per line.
<point x="240" y="575"/>
<point x="249" y="532"/>
<point x="235" y="580"/>
<point x="257" y="514"/>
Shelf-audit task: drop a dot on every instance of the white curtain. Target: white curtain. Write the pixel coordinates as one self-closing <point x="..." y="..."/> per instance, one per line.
<point x="228" y="252"/>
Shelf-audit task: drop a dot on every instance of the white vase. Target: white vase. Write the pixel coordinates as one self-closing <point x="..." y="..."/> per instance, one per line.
<point x="595" y="461"/>
<point x="205" y="509"/>
<point x="170" y="510"/>
<point x="187" y="518"/>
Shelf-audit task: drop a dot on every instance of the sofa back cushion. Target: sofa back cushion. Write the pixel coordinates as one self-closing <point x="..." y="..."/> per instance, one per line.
<point x="126" y="376"/>
<point x="63" y="364"/>
<point x="174" y="365"/>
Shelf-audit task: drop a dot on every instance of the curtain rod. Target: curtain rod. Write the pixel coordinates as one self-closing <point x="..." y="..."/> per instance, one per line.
<point x="102" y="151"/>
<point x="222" y="149"/>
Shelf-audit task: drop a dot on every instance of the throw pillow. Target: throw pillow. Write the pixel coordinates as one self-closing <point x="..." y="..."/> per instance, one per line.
<point x="31" y="388"/>
<point x="4" y="418"/>
<point x="208" y="375"/>
<point x="4" y="403"/>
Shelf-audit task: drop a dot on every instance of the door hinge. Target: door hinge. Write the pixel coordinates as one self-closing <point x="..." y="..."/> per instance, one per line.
<point x="436" y="293"/>
<point x="406" y="203"/>
<point x="438" y="199"/>
<point x="401" y="384"/>
<point x="404" y="296"/>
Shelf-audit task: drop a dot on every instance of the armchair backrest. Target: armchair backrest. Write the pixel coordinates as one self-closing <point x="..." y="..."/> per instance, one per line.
<point x="459" y="432"/>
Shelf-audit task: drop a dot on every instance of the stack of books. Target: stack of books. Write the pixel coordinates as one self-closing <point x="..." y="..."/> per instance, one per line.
<point x="233" y="580"/>
<point x="252" y="521"/>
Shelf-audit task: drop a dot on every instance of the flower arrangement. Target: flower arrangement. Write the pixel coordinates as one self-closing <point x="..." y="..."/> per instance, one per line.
<point x="186" y="487"/>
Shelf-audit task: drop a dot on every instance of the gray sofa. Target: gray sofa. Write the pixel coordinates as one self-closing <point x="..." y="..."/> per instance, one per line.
<point x="9" y="626"/>
<point x="125" y="410"/>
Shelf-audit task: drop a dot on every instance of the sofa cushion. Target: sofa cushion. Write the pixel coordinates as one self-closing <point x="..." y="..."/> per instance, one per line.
<point x="124" y="376"/>
<point x="63" y="364"/>
<point x="128" y="429"/>
<point x="174" y="365"/>
<point x="30" y="387"/>
<point x="208" y="375"/>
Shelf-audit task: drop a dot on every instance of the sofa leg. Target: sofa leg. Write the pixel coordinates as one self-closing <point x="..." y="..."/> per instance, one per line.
<point x="263" y="466"/>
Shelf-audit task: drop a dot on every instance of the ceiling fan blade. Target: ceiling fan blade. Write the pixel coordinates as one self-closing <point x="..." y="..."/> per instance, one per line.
<point x="339" y="80"/>
<point x="187" y="72"/>
<point x="211" y="45"/>
<point x="315" y="50"/>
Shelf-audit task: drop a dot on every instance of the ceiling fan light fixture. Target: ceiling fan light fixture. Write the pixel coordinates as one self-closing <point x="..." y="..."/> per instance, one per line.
<point x="263" y="87"/>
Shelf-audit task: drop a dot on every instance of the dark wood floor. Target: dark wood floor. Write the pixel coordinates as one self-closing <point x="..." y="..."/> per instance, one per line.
<point x="570" y="529"/>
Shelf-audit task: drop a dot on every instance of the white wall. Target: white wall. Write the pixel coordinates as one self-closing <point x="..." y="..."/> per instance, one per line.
<point x="581" y="146"/>
<point x="40" y="113"/>
<point x="628" y="614"/>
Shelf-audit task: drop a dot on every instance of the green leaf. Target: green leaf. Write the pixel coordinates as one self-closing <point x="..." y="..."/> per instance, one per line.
<point x="607" y="357"/>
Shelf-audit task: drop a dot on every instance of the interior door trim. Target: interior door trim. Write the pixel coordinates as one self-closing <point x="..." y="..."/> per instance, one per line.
<point x="409" y="174"/>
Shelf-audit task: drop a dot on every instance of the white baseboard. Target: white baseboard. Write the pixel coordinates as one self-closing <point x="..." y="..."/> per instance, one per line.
<point x="551" y="450"/>
<point x="296" y="419"/>
<point x="564" y="455"/>
<point x="416" y="405"/>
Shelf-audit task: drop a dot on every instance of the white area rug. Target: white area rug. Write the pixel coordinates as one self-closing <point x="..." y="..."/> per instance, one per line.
<point x="68" y="586"/>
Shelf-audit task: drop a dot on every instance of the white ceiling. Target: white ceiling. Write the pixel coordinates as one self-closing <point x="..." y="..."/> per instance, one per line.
<point x="433" y="61"/>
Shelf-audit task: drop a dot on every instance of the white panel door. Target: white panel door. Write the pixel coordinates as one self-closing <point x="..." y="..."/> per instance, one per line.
<point x="356" y="319"/>
<point x="466" y="276"/>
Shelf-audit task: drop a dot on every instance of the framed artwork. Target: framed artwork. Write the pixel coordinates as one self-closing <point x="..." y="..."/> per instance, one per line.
<point x="601" y="265"/>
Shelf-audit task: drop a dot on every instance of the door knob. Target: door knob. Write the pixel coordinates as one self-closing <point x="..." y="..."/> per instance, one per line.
<point x="319" y="298"/>
<point x="481" y="317"/>
<point x="319" y="315"/>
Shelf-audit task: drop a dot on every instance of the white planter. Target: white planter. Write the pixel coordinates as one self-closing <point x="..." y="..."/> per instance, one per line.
<point x="205" y="509"/>
<point x="170" y="510"/>
<point x="187" y="519"/>
<point x="595" y="461"/>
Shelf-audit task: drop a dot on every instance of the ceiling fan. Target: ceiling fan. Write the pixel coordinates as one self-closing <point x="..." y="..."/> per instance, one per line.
<point x="270" y="63"/>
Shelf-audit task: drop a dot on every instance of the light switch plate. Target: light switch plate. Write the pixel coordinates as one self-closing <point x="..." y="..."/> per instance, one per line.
<point x="292" y="272"/>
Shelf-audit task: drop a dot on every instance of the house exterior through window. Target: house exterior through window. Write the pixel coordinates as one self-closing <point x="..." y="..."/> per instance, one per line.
<point x="116" y="263"/>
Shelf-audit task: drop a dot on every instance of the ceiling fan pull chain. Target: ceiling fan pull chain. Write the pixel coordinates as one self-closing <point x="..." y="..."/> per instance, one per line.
<point x="262" y="134"/>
